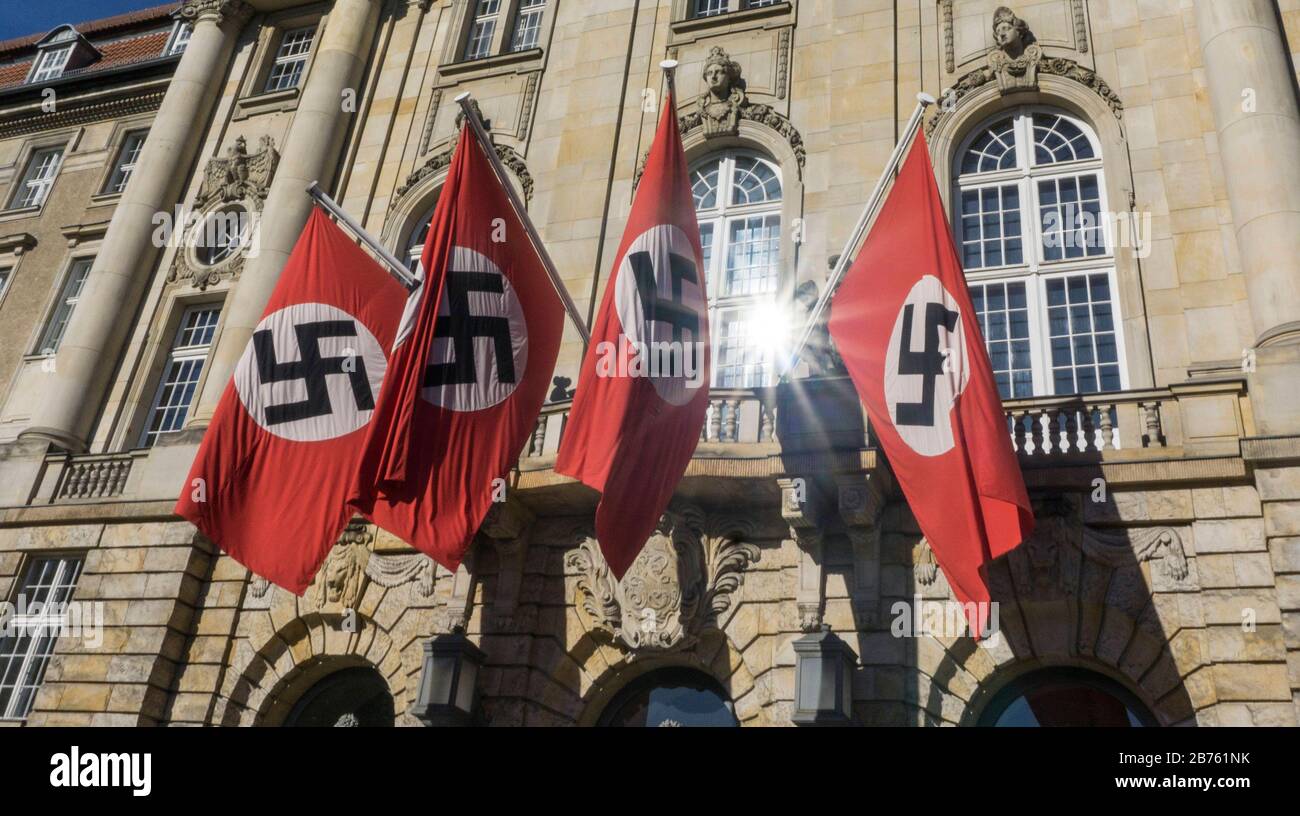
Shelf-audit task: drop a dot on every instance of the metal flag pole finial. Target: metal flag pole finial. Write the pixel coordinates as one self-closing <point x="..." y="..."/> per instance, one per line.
<point x="466" y="102"/>
<point x="874" y="203"/>
<point x="669" y="67"/>
<point x="394" y="267"/>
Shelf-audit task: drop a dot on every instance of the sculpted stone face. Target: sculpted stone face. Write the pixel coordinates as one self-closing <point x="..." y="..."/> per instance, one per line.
<point x="1006" y="34"/>
<point x="715" y="77"/>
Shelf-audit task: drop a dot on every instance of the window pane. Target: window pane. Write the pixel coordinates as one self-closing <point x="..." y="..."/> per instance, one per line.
<point x="1057" y="139"/>
<point x="741" y="353"/>
<point x="181" y="373"/>
<point x="708" y="8"/>
<point x="1070" y="213"/>
<point x="528" y="24"/>
<point x="29" y="638"/>
<point x="1003" y="314"/>
<point x="290" y="59"/>
<point x="704" y="184"/>
<point x="482" y="30"/>
<point x="994" y="149"/>
<point x="755" y="182"/>
<point x="1085" y="348"/>
<point x="63" y="309"/>
<point x="753" y="249"/>
<point x="991" y="228"/>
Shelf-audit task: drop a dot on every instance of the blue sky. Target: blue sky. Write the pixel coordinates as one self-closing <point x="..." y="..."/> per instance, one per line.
<point x="22" y="17"/>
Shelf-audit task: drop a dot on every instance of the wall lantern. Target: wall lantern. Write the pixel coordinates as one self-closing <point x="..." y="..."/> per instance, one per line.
<point x="448" y="693"/>
<point x="823" y="686"/>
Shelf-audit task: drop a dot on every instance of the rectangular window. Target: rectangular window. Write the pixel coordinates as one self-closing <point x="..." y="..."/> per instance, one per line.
<point x="126" y="161"/>
<point x="290" y="59"/>
<point x="181" y="373"/>
<point x="990" y="227"/>
<point x="51" y="62"/>
<point x="1081" y="322"/>
<point x="482" y="29"/>
<point x="742" y="360"/>
<point x="708" y="8"/>
<point x="753" y="250"/>
<point x="1070" y="212"/>
<point x="34" y="186"/>
<point x="28" y="640"/>
<point x="528" y="25"/>
<point x="1003" y="312"/>
<point x="179" y="39"/>
<point x="5" y="275"/>
<point x="68" y="297"/>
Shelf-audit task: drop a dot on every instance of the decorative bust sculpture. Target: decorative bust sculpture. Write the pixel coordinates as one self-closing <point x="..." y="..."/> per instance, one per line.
<point x="723" y="95"/>
<point x="1014" y="61"/>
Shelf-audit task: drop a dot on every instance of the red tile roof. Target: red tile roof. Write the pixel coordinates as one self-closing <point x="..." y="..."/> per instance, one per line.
<point x="101" y="26"/>
<point x="115" y="53"/>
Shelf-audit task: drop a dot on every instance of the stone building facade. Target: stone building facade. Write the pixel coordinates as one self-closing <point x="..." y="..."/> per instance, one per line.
<point x="1150" y="372"/>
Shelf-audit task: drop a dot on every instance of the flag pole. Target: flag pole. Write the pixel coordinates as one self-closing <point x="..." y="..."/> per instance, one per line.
<point x="394" y="267"/>
<point x="923" y="101"/>
<point x="465" y="101"/>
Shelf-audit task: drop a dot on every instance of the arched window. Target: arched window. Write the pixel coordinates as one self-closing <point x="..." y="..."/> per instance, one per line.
<point x="355" y="696"/>
<point x="414" y="246"/>
<point x="670" y="698"/>
<point x="1065" y="697"/>
<point x="738" y="204"/>
<point x="1031" y="222"/>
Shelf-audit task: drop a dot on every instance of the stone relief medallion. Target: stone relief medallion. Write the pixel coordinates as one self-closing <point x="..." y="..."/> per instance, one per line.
<point x="342" y="578"/>
<point x="682" y="583"/>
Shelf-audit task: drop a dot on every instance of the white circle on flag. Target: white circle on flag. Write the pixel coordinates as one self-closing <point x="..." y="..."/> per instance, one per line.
<point x="310" y="372"/>
<point x="480" y="345"/>
<point x="926" y="367"/>
<point x="662" y="309"/>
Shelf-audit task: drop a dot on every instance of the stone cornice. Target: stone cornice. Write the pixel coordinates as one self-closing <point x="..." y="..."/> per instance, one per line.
<point x="70" y="113"/>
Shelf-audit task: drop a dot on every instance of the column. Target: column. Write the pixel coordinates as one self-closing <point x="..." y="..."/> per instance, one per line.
<point x="1253" y="95"/>
<point x="311" y="153"/>
<point x="98" y="329"/>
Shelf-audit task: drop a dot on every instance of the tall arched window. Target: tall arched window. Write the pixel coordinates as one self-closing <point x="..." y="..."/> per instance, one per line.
<point x="738" y="204"/>
<point x="1030" y="217"/>
<point x="414" y="246"/>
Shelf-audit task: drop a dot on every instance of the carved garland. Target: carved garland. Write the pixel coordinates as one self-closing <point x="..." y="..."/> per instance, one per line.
<point x="682" y="583"/>
<point x="512" y="161"/>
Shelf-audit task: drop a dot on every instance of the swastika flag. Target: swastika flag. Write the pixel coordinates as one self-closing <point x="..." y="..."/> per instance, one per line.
<point x="904" y="323"/>
<point x="469" y="371"/>
<point x="643" y="390"/>
<point x="270" y="482"/>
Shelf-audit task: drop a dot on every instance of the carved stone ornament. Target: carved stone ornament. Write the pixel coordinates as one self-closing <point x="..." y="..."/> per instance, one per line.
<point x="1015" y="60"/>
<point x="682" y="583"/>
<point x="218" y="10"/>
<point x="723" y="94"/>
<point x="342" y="578"/>
<point x="239" y="178"/>
<point x="723" y="105"/>
<point x="240" y="175"/>
<point x="441" y="161"/>
<point x="1049" y="560"/>
<point x="395" y="570"/>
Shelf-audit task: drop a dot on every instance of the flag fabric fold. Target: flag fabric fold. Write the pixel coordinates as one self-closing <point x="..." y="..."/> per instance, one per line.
<point x="909" y="335"/>
<point x="468" y="372"/>
<point x="272" y="476"/>
<point x="643" y="389"/>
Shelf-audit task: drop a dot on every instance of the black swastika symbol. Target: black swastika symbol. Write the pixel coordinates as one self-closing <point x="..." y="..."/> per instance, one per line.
<point x="658" y="310"/>
<point x="312" y="369"/>
<point x="928" y="362"/>
<point x="463" y="327"/>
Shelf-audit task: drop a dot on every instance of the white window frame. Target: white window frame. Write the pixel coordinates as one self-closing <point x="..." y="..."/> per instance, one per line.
<point x="33" y="187"/>
<point x="719" y="219"/>
<point x="50" y="615"/>
<point x="530" y="13"/>
<point x="485" y="16"/>
<point x="60" y="317"/>
<point x="287" y="61"/>
<point x="179" y="39"/>
<point x="51" y="62"/>
<point x="128" y="155"/>
<point x="1034" y="270"/>
<point x="177" y="357"/>
<point x="6" y="279"/>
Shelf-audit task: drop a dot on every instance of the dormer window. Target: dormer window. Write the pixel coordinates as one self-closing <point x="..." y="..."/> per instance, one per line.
<point x="50" y="63"/>
<point x="180" y="37"/>
<point x="61" y="50"/>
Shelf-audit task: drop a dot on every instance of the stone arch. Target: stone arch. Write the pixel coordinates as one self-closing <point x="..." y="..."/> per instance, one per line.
<point x="420" y="189"/>
<point x="300" y="653"/>
<point x="712" y="655"/>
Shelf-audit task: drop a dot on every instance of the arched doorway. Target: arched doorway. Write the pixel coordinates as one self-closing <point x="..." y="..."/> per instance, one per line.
<point x="672" y="697"/>
<point x="1065" y="697"/>
<point x="356" y="696"/>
